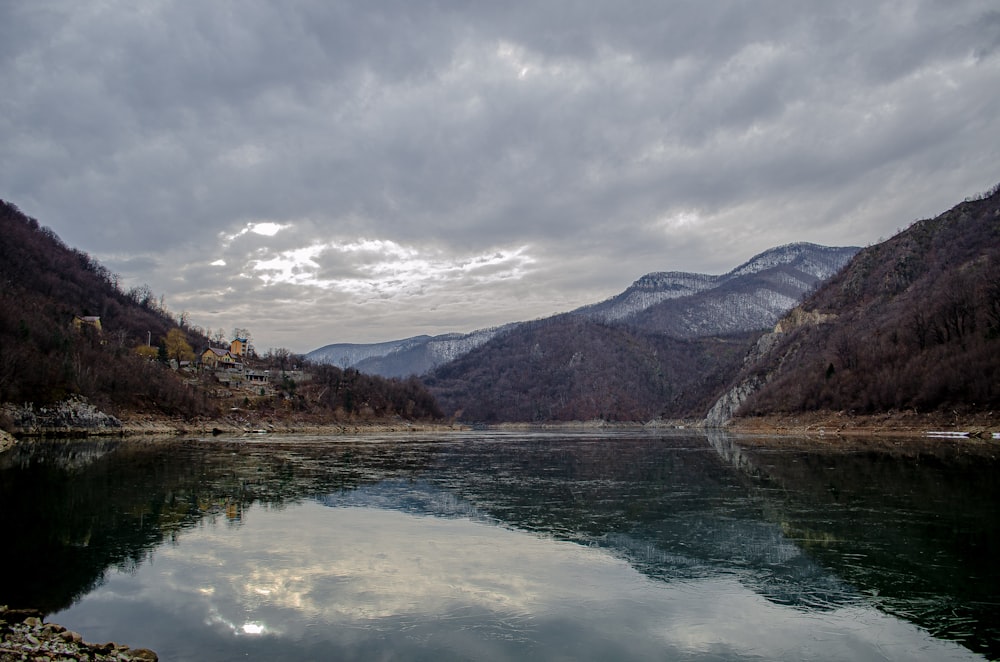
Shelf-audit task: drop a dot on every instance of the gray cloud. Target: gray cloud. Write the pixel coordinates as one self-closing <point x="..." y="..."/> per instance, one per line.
<point x="446" y="166"/>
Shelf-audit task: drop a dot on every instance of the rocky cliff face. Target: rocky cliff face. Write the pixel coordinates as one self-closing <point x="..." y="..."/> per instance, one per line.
<point x="725" y="408"/>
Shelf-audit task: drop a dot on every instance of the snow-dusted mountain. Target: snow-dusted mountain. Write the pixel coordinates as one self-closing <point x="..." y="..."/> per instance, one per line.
<point x="684" y="305"/>
<point x="409" y="356"/>
<point x="785" y="273"/>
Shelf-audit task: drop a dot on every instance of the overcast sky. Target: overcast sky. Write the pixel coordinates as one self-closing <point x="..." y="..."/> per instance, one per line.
<point x="322" y="171"/>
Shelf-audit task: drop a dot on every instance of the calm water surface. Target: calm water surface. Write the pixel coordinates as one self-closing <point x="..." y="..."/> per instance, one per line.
<point x="508" y="546"/>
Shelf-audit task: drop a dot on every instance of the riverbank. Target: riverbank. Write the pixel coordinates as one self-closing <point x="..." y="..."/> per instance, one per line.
<point x="146" y="426"/>
<point x="982" y="425"/>
<point x="809" y="425"/>
<point x="76" y="418"/>
<point x="25" y="636"/>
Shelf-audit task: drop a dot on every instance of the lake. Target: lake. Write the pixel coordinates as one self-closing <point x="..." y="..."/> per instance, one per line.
<point x="597" y="545"/>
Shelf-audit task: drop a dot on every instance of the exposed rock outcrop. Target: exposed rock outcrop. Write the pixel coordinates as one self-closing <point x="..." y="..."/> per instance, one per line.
<point x="72" y="416"/>
<point x="800" y="317"/>
<point x="725" y="407"/>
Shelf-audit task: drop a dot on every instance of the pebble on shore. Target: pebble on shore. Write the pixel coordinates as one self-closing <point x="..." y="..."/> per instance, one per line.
<point x="25" y="636"/>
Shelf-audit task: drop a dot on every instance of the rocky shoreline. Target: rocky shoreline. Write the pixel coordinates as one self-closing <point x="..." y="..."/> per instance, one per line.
<point x="25" y="636"/>
<point x="76" y="417"/>
<point x="808" y="426"/>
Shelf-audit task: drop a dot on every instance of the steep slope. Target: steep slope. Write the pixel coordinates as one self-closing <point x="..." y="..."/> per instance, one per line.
<point x="751" y="297"/>
<point x="45" y="357"/>
<point x="648" y="291"/>
<point x="48" y="354"/>
<point x="912" y="323"/>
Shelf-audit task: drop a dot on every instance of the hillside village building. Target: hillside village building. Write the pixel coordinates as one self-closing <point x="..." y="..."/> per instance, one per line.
<point x="230" y="368"/>
<point x="217" y="357"/>
<point x="239" y="347"/>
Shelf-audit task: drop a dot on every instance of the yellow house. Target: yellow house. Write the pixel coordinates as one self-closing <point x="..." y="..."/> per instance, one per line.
<point x="215" y="357"/>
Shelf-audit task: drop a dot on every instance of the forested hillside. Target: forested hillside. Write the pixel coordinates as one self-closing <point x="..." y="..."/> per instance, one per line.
<point x="52" y="346"/>
<point x="45" y="357"/>
<point x="912" y="323"/>
<point x="569" y="368"/>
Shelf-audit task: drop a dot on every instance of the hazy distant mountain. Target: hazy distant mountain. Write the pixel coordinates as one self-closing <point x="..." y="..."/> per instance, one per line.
<point x="401" y="358"/>
<point x="347" y="355"/>
<point x="912" y="323"/>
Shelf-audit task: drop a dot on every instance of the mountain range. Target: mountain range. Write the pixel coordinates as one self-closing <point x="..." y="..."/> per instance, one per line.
<point x="663" y="348"/>
<point x="409" y="356"/>
<point x="683" y="305"/>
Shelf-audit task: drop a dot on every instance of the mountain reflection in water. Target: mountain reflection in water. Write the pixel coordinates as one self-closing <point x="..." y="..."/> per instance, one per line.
<point x="501" y="545"/>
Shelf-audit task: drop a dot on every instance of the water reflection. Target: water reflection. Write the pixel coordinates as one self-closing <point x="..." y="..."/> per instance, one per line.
<point x="493" y="546"/>
<point x="912" y="526"/>
<point x="385" y="583"/>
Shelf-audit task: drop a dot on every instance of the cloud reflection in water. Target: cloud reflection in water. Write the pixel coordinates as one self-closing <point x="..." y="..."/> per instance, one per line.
<point x="357" y="581"/>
